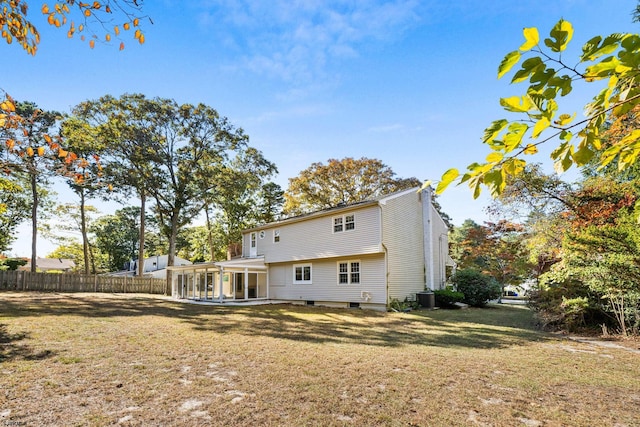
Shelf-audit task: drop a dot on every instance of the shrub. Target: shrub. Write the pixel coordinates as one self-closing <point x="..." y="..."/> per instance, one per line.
<point x="477" y="288"/>
<point x="561" y="302"/>
<point x="447" y="297"/>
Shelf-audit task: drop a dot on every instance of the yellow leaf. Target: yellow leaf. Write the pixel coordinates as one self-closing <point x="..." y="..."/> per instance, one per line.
<point x="542" y="124"/>
<point x="8" y="106"/>
<point x="29" y="151"/>
<point x="45" y="9"/>
<point x="126" y="26"/>
<point x="107" y="9"/>
<point x="80" y="27"/>
<point x="62" y="153"/>
<point x="108" y="37"/>
<point x="40" y="151"/>
<point x="141" y="39"/>
<point x="136" y="22"/>
<point x="116" y="30"/>
<point x="530" y="149"/>
<point x="110" y="187"/>
<point x="531" y="38"/>
<point x="96" y="5"/>
<point x="10" y="144"/>
<point x="92" y="44"/>
<point x="87" y="12"/>
<point x="51" y="19"/>
<point x="121" y="45"/>
<point x="137" y="34"/>
<point x="47" y="138"/>
<point x="495" y="157"/>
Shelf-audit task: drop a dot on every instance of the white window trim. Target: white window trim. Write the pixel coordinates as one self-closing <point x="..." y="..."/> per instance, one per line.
<point x="276" y="234"/>
<point x="348" y="262"/>
<point x="303" y="282"/>
<point x="344" y="223"/>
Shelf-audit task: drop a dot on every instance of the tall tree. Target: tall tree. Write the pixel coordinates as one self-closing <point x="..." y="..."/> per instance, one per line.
<point x="236" y="193"/>
<point x="76" y="219"/>
<point x="271" y="201"/>
<point x="87" y="182"/>
<point x="125" y="128"/>
<point x="339" y="182"/>
<point x="496" y="249"/>
<point x="14" y="209"/>
<point x="29" y="157"/>
<point x="117" y="237"/>
<point x="173" y="153"/>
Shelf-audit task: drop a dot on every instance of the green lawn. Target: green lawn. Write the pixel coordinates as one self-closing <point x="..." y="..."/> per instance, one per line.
<point x="100" y="359"/>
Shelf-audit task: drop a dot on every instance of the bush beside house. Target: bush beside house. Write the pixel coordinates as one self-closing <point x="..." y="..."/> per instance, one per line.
<point x="478" y="288"/>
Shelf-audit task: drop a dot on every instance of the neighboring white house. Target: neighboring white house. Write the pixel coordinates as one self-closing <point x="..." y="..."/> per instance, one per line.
<point x="360" y="255"/>
<point x="154" y="266"/>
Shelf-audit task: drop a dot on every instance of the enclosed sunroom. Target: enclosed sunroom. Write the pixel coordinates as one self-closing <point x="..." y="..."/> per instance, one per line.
<point x="236" y="280"/>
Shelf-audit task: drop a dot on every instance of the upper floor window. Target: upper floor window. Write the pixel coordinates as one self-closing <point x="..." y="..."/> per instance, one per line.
<point x="302" y="274"/>
<point x="254" y="241"/>
<point x="344" y="223"/>
<point x="337" y="224"/>
<point x="349" y="222"/>
<point x="276" y="236"/>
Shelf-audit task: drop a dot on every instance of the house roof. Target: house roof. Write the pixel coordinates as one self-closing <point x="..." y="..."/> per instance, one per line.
<point x="332" y="211"/>
<point x="52" y="264"/>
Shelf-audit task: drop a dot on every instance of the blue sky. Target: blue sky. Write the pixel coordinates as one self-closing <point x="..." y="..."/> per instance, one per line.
<point x="412" y="83"/>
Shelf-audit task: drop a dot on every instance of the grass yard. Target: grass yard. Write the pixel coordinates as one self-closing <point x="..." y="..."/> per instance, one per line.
<point x="100" y="359"/>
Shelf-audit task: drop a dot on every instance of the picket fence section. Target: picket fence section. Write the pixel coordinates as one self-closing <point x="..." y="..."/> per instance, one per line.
<point x="73" y="282"/>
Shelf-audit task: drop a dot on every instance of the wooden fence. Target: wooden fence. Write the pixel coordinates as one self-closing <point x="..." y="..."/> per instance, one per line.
<point x="73" y="282"/>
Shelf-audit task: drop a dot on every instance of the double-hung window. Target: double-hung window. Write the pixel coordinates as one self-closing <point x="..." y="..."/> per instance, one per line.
<point x="349" y="222"/>
<point x="276" y="236"/>
<point x="348" y="272"/>
<point x="302" y="274"/>
<point x="344" y="223"/>
<point x="337" y="224"/>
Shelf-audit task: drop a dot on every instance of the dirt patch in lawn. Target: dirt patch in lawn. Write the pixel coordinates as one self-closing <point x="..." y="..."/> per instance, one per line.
<point x="96" y="359"/>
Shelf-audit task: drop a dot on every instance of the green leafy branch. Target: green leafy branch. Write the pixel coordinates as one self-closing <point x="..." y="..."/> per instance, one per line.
<point x="615" y="58"/>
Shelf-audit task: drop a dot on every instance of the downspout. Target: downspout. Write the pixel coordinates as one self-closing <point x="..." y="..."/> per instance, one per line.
<point x="386" y="257"/>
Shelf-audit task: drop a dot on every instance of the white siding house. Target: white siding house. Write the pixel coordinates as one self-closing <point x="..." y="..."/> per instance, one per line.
<point x="360" y="255"/>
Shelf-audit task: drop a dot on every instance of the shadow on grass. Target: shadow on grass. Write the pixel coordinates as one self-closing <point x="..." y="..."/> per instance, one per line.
<point x="488" y="328"/>
<point x="12" y="348"/>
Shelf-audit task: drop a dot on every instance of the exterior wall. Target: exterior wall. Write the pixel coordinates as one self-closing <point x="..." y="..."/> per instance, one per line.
<point x="440" y="239"/>
<point x="402" y="236"/>
<point x="325" y="287"/>
<point x="314" y="238"/>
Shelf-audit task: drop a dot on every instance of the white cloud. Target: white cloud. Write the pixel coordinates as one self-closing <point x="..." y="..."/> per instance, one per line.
<point x="296" y="41"/>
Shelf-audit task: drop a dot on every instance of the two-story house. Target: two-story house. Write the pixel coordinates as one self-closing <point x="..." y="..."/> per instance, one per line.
<point x="360" y="255"/>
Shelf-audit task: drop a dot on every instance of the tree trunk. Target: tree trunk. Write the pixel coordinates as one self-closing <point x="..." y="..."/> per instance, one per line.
<point x="143" y="200"/>
<point x="212" y="250"/>
<point x="83" y="230"/>
<point x="34" y="222"/>
<point x="171" y="257"/>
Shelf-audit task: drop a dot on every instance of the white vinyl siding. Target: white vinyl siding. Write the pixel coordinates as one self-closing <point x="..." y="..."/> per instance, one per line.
<point x="325" y="286"/>
<point x="314" y="237"/>
<point x="302" y="274"/>
<point x="403" y="238"/>
<point x="349" y="272"/>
